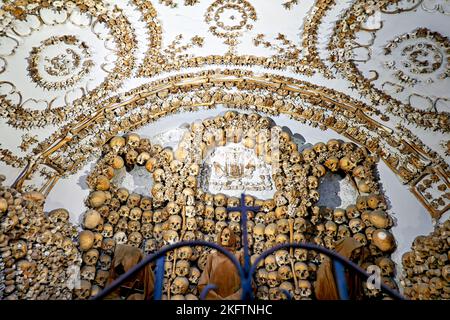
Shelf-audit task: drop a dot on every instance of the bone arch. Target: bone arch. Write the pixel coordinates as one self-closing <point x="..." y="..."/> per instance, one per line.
<point x="285" y="218"/>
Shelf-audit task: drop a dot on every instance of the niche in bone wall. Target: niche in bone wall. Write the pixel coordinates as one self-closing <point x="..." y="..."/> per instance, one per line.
<point x="178" y="208"/>
<point x="337" y="190"/>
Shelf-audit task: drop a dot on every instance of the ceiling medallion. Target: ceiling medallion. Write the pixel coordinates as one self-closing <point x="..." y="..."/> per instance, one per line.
<point x="229" y="19"/>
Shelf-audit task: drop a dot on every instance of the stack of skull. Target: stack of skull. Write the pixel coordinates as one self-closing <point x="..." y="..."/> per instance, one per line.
<point x="427" y="266"/>
<point x="38" y="251"/>
<point x="179" y="209"/>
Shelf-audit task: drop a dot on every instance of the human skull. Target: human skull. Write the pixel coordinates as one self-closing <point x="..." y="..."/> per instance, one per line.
<point x="282" y="257"/>
<point x="58" y="216"/>
<point x="170" y="237"/>
<point x="133" y="200"/>
<point x="179" y="285"/>
<point x="135" y="214"/>
<point x="369" y="232"/>
<point x="173" y="208"/>
<point x="373" y="200"/>
<point x="117" y="162"/>
<point x="105" y="262"/>
<point x="208" y="212"/>
<point x="233" y="202"/>
<point x="235" y="216"/>
<point x="361" y="203"/>
<point x="135" y="239"/>
<point x="343" y="231"/>
<point x="304" y="288"/>
<point x="220" y="200"/>
<point x="308" y="154"/>
<point x="301" y="270"/>
<point x="318" y="170"/>
<point x="332" y="163"/>
<point x="320" y="147"/>
<point x="273" y="279"/>
<point x="108" y="245"/>
<point x="146" y="230"/>
<point x="313" y="182"/>
<point x="300" y="224"/>
<point x="101" y="277"/>
<point x="120" y="237"/>
<point x="122" y="195"/>
<point x="339" y="216"/>
<point x="379" y="219"/>
<point x="133" y="140"/>
<point x="208" y="226"/>
<point x="386" y="265"/>
<point x="300" y="254"/>
<point x="91" y="219"/>
<point x="175" y="222"/>
<point x="182" y="268"/>
<point x="142" y="158"/>
<point x="86" y="240"/>
<point x="191" y="224"/>
<point x="108" y="230"/>
<point x="90" y="258"/>
<point x="383" y="240"/>
<point x="258" y="232"/>
<point x="270" y="263"/>
<point x="261" y="276"/>
<point x="131" y="157"/>
<point x="116" y="143"/>
<point x="281" y="239"/>
<point x="194" y="275"/>
<point x="270" y="231"/>
<point x="145" y="204"/>
<point x="284" y="272"/>
<point x="283" y="226"/>
<point x="352" y="212"/>
<point x="185" y="253"/>
<point x="356" y="225"/>
<point x="221" y="213"/>
<point x="361" y="238"/>
<point x="83" y="291"/>
<point x="124" y="211"/>
<point x="330" y="228"/>
<point x="150" y="246"/>
<point x="87" y="273"/>
<point x="113" y="217"/>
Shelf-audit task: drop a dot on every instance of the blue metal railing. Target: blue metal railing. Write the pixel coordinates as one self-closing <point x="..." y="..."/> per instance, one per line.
<point x="248" y="269"/>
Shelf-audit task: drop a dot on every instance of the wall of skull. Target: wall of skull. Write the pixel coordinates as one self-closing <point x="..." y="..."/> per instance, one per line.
<point x="426" y="268"/>
<point x="177" y="208"/>
<point x="38" y="251"/>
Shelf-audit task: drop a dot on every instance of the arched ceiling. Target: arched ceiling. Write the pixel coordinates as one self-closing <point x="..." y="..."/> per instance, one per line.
<point x="75" y="73"/>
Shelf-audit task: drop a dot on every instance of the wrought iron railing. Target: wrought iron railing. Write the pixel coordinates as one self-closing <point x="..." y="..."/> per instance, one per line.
<point x="248" y="269"/>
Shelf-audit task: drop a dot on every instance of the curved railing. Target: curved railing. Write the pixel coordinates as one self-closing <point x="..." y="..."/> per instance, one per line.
<point x="247" y="270"/>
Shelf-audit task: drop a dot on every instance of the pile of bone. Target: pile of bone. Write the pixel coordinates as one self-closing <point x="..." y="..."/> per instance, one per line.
<point x="180" y="210"/>
<point x="427" y="266"/>
<point x="38" y="251"/>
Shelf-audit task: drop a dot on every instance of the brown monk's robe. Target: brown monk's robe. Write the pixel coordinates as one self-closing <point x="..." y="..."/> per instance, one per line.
<point x="219" y="270"/>
<point x="325" y="287"/>
<point x="125" y="257"/>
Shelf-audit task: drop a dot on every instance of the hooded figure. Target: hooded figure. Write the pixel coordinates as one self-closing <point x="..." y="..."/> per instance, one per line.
<point x="220" y="271"/>
<point x="325" y="286"/>
<point x="125" y="257"/>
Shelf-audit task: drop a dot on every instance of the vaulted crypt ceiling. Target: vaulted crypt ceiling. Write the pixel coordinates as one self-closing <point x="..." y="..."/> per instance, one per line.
<point x="74" y="74"/>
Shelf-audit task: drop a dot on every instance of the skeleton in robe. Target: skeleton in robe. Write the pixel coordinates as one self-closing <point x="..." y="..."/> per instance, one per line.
<point x="325" y="286"/>
<point x="138" y="287"/>
<point x="221" y="272"/>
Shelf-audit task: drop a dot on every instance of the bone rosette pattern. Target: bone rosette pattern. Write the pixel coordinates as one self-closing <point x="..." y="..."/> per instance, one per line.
<point x="180" y="209"/>
<point x="423" y="54"/>
<point x="50" y="71"/>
